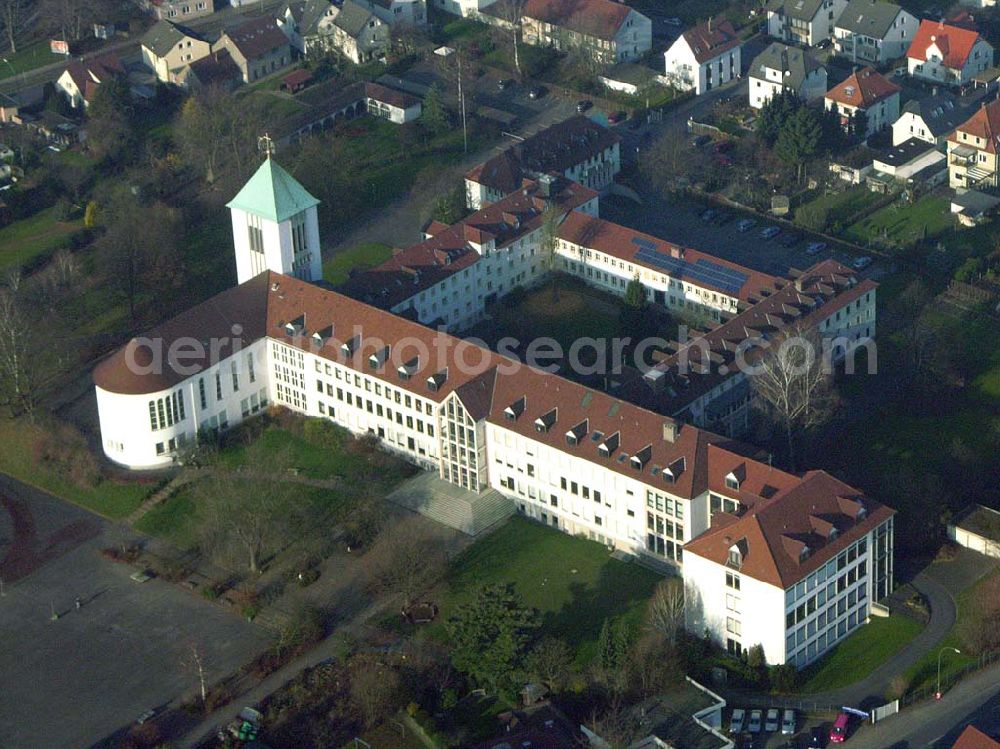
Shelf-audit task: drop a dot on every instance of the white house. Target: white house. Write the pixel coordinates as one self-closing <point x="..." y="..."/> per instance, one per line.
<point x="872" y="31"/>
<point x="79" y="81"/>
<point x="783" y="68"/>
<point x="605" y="31"/>
<point x="948" y="54"/>
<point x="275" y="226"/>
<point x="704" y="57"/>
<point x="931" y="118"/>
<point x="168" y="48"/>
<point x="865" y="93"/>
<point x="804" y="22"/>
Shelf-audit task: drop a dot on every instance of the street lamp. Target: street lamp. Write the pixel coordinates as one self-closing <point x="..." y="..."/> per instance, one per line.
<point x="937" y="692"/>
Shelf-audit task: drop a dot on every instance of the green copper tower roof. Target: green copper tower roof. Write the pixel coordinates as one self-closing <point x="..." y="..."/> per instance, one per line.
<point x="272" y="193"/>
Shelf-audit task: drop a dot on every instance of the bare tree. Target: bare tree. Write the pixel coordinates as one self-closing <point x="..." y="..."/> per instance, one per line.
<point x="375" y="689"/>
<point x="218" y="132"/>
<point x="550" y="661"/>
<point x="405" y="559"/>
<point x="616" y="726"/>
<point x="194" y="661"/>
<point x="666" y="609"/>
<point x="668" y="160"/>
<point x="19" y="371"/>
<point x="793" y="386"/>
<point x="549" y="243"/>
<point x="13" y="16"/>
<point x="511" y="13"/>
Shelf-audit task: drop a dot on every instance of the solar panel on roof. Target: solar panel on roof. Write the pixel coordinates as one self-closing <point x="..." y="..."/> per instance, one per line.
<point x="646" y="244"/>
<point x="701" y="271"/>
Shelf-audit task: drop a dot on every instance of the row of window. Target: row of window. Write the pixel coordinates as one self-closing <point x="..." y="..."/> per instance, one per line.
<point x="167" y="411"/>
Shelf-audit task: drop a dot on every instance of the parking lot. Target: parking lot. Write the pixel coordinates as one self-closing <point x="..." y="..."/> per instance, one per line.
<point x="801" y="736"/>
<point x="73" y="680"/>
<point x="682" y="220"/>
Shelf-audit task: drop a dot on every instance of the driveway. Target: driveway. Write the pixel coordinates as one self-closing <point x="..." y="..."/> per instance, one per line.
<point x="73" y="681"/>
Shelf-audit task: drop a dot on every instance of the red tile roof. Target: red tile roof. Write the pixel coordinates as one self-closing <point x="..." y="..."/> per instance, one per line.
<point x="863" y="88"/>
<point x="597" y="18"/>
<point x="786" y="536"/>
<point x="984" y="124"/>
<point x="711" y="39"/>
<point x="954" y="43"/>
<point x="423" y="265"/>
<point x="617" y="241"/>
<point x="973" y="738"/>
<point x="257" y="37"/>
<point x="390" y="96"/>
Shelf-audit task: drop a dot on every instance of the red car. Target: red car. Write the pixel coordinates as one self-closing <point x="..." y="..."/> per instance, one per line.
<point x="615" y="117"/>
<point x="838" y="733"/>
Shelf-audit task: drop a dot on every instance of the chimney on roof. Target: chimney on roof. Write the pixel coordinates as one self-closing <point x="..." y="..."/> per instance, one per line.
<point x="670" y="431"/>
<point x="709" y="24"/>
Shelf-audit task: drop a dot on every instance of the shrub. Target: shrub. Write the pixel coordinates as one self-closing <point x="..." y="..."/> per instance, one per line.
<point x="784" y="678"/>
<point x="64" y="450"/>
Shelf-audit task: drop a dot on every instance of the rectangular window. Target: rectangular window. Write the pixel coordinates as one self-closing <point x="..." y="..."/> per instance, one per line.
<point x="201" y="393"/>
<point x="218" y="386"/>
<point x="236" y="376"/>
<point x="250" y="372"/>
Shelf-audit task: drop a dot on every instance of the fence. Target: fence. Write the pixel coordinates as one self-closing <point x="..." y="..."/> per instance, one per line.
<point x="883" y="712"/>
<point x="802" y="704"/>
<point x="950" y="679"/>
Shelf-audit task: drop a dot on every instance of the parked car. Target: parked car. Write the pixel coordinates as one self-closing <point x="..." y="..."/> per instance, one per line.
<point x="722" y="159"/>
<point x="583" y="106"/>
<point x="745" y="225"/>
<point x="861" y="263"/>
<point x="816" y="738"/>
<point x="790" y="240"/>
<point x="700" y="140"/>
<point x="814" y="248"/>
<point x="673" y="21"/>
<point x="755" y="718"/>
<point x="769" y="232"/>
<point x="823" y="43"/>
<point x="788" y="722"/>
<point x="504" y="83"/>
<point x="536" y="92"/>
<point x="615" y="117"/>
<point x="737" y="720"/>
<point x="707" y="215"/>
<point x="838" y="731"/>
<point x="771" y="722"/>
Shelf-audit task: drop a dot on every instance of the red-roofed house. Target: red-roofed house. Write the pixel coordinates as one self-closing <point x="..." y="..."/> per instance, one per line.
<point x="865" y="93"/>
<point x="704" y="57"/>
<point x="80" y="79"/>
<point x="947" y="54"/>
<point x="258" y="47"/>
<point x="972" y="149"/>
<point x="973" y="738"/>
<point x="606" y="31"/>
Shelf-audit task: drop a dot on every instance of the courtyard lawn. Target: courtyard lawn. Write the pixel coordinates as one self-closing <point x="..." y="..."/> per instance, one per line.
<point x="108" y="498"/>
<point x="174" y="520"/>
<point x="905" y="224"/>
<point x="574" y="583"/>
<point x="861" y="653"/>
<point x="32" y="236"/>
<point x="29" y="57"/>
<point x="337" y="269"/>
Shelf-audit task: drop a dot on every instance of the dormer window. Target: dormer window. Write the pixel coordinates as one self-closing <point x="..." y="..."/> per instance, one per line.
<point x="376" y="360"/>
<point x="515" y="409"/>
<point x="577" y="433"/>
<point x="296" y="327"/>
<point x="804" y="553"/>
<point x="641" y="458"/>
<point x="735" y="558"/>
<point x="351" y="345"/>
<point x="832" y="534"/>
<point x="320" y="337"/>
<point x="435" y="381"/>
<point x="405" y="371"/>
<point x="546" y="421"/>
<point x="609" y="445"/>
<point x="732" y="482"/>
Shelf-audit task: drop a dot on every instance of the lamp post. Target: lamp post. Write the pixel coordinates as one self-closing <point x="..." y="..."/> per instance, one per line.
<point x="937" y="692"/>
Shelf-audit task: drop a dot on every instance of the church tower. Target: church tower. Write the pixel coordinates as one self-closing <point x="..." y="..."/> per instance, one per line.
<point x="275" y="226"/>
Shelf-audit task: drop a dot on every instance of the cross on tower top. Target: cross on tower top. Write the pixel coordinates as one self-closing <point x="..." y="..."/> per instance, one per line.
<point x="265" y="143"/>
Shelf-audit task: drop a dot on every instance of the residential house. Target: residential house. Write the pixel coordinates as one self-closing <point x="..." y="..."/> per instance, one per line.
<point x="358" y="32"/>
<point x="853" y="166"/>
<point x="931" y="118"/>
<point x="216" y="70"/>
<point x="313" y="26"/>
<point x="179" y="10"/>
<point x="578" y="149"/>
<point x="972" y="149"/>
<point x="973" y="738"/>
<point x="413" y="12"/>
<point x="606" y="31"/>
<point x="258" y="47"/>
<point x="868" y="94"/>
<point x="81" y="78"/>
<point x="464" y="8"/>
<point x="392" y="105"/>
<point x="913" y="162"/>
<point x="704" y="57"/>
<point x="630" y="78"/>
<point x="168" y="47"/>
<point x="971" y="208"/>
<point x="783" y="68"/>
<point x="874" y="32"/>
<point x="804" y="22"/>
<point x="943" y="53"/>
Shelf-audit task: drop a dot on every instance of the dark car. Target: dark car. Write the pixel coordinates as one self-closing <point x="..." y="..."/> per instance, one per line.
<point x="615" y="117"/>
<point x="537" y="92"/>
<point x="816" y="738"/>
<point x="700" y="140"/>
<point x="723" y="146"/>
<point x="791" y="240"/>
<point x="824" y="43"/>
<point x="504" y="83"/>
<point x="583" y="106"/>
<point x="707" y="215"/>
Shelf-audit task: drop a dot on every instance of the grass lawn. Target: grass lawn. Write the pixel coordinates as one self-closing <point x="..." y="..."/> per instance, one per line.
<point x="174" y="520"/>
<point x="388" y="734"/>
<point x="904" y="224"/>
<point x="574" y="583"/>
<point x="24" y="239"/>
<point x="29" y="57"/>
<point x="110" y="499"/>
<point x="861" y="653"/>
<point x="337" y="269"/>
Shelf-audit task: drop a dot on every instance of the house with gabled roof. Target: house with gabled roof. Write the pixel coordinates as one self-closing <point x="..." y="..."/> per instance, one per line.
<point x="606" y="31"/>
<point x="168" y="47"/>
<point x="867" y="94"/>
<point x="258" y="47"/>
<point x="179" y="10"/>
<point x="804" y="22"/>
<point x="873" y="31"/>
<point x="930" y="118"/>
<point x="358" y="31"/>
<point x="948" y="54"/>
<point x="781" y="67"/>
<point x="80" y="80"/>
<point x="973" y="148"/>
<point x="704" y="57"/>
